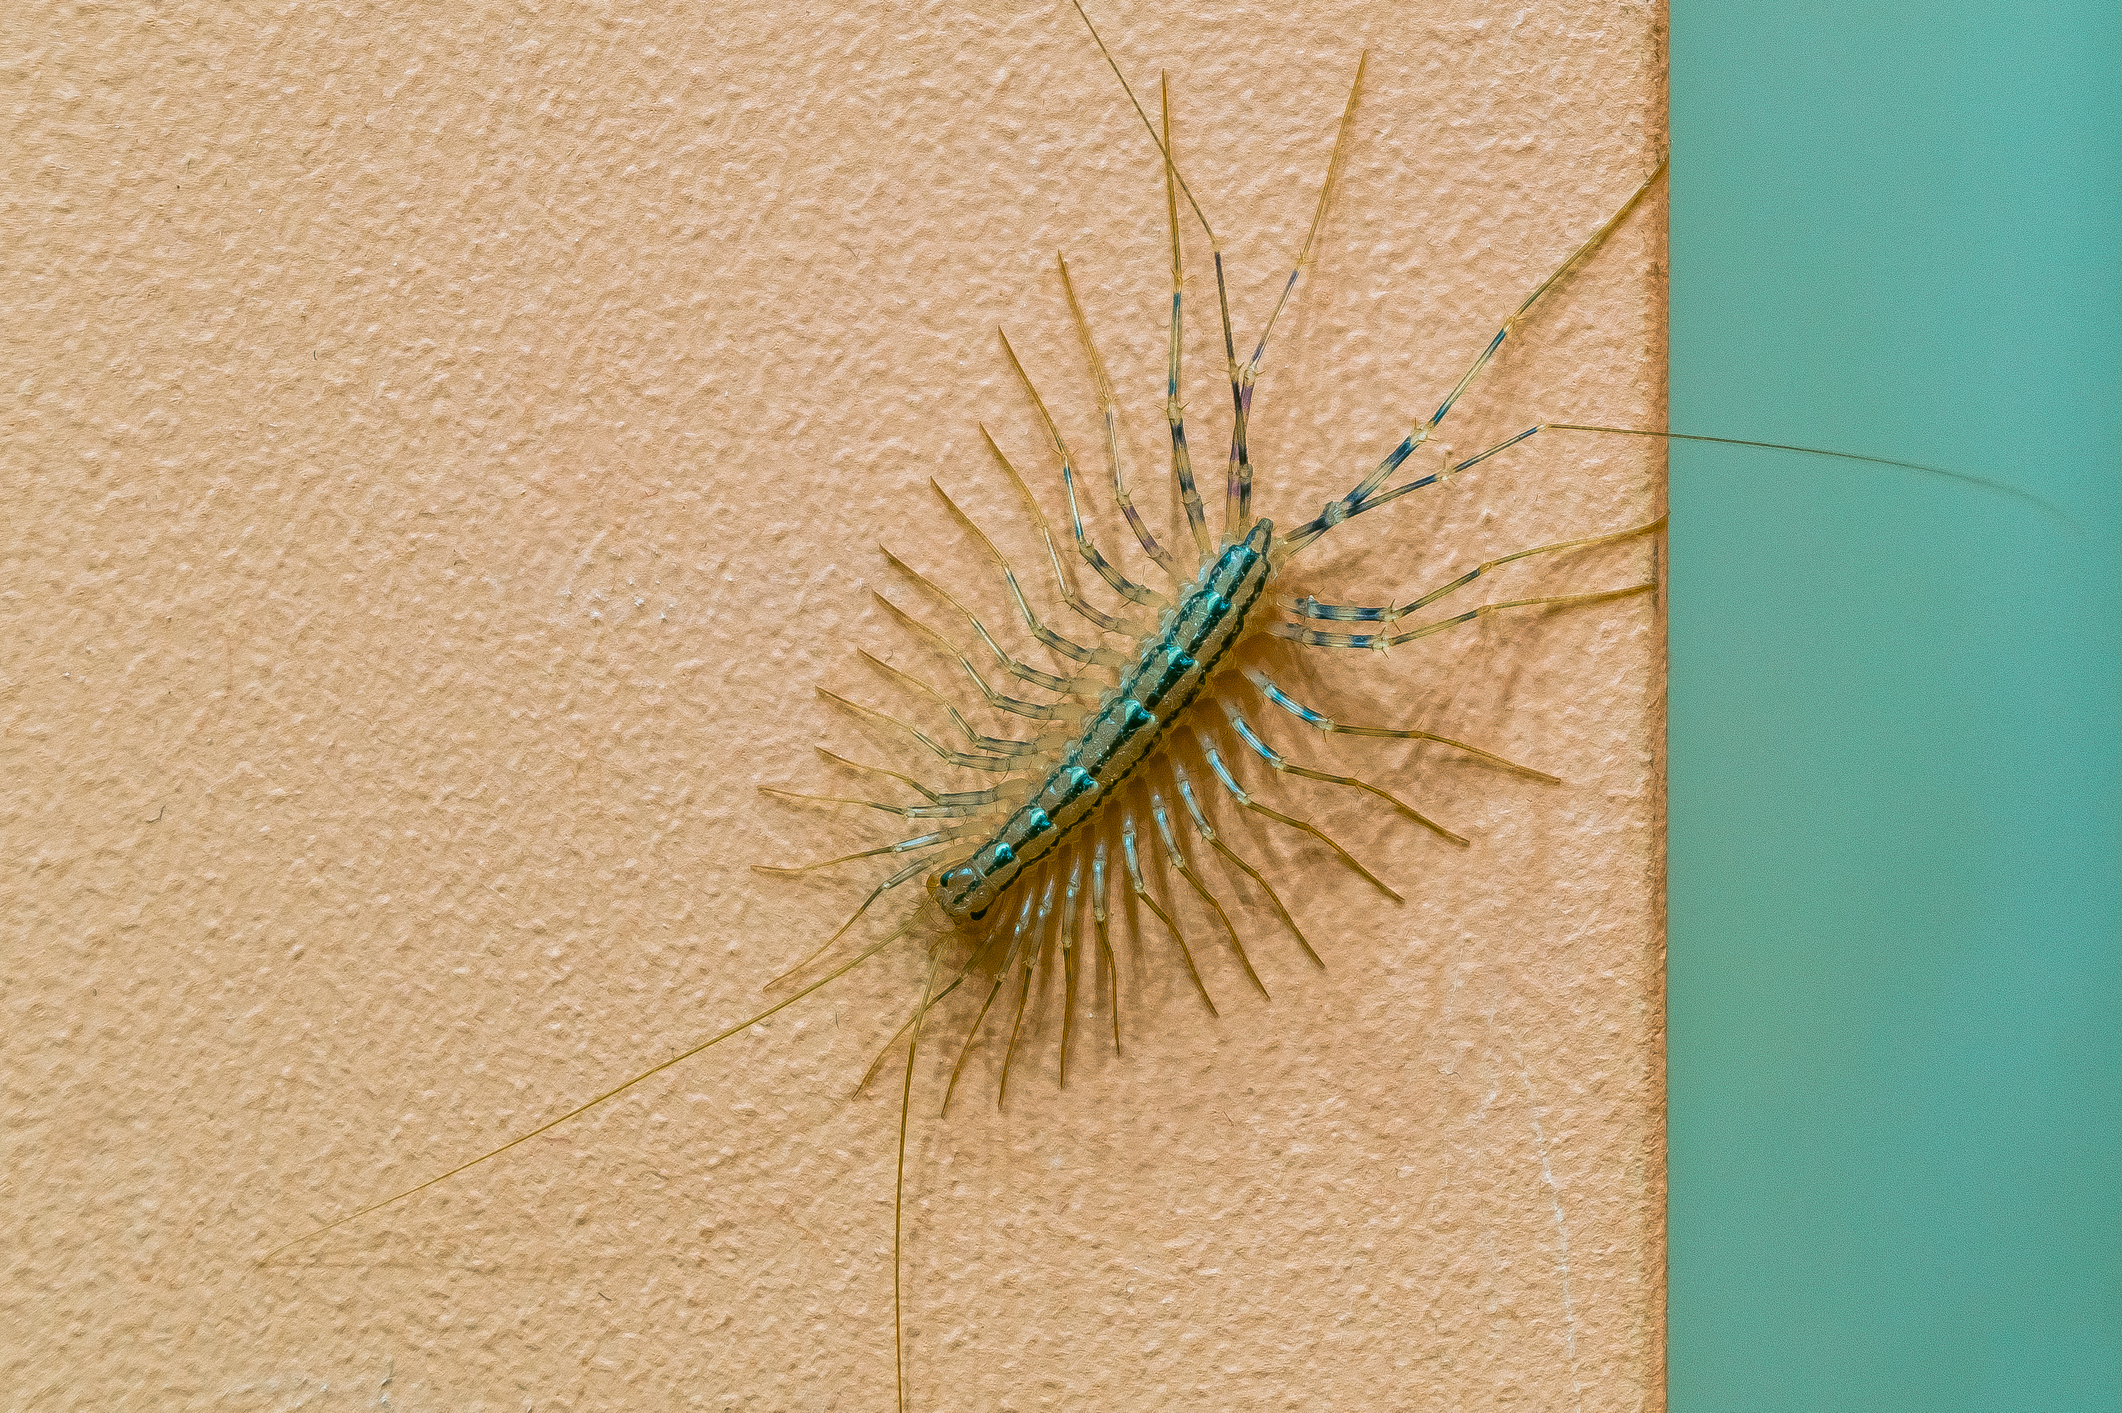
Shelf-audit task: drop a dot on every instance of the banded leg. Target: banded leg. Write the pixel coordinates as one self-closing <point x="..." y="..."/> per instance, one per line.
<point x="1001" y="975"/>
<point x="1005" y="746"/>
<point x="1361" y="498"/>
<point x="612" y="1093"/>
<point x="1109" y="408"/>
<point x="1000" y="764"/>
<point x="910" y="871"/>
<point x="1069" y="592"/>
<point x="1174" y="409"/>
<point x="902" y="811"/>
<point x="1308" y="607"/>
<point x="1274" y="759"/>
<point x="907" y="780"/>
<point x="885" y="1051"/>
<point x="962" y="805"/>
<point x="1379" y="641"/>
<point x="906" y="1103"/>
<point x="1207" y="831"/>
<point x="1174" y="177"/>
<point x="904" y="846"/>
<point x="1178" y="860"/>
<point x="1099" y="656"/>
<point x="1562" y="271"/>
<point x="1105" y="940"/>
<point x="1134" y="877"/>
<point x="1328" y="724"/>
<point x="1023" y="672"/>
<point x="1036" y="952"/>
<point x="1230" y="783"/>
<point x="1237" y="509"/>
<point x="1071" y="939"/>
<point x="1340" y="511"/>
<point x="1122" y="585"/>
<point x="1070" y="709"/>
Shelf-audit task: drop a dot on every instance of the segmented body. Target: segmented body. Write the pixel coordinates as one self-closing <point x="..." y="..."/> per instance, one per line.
<point x="1190" y="646"/>
<point x="1102" y="792"/>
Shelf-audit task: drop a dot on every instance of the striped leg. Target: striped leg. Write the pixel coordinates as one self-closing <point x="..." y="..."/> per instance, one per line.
<point x="1237" y="509"/>
<point x="1274" y="759"/>
<point x="1346" y="613"/>
<point x="1379" y="641"/>
<point x="1328" y="724"/>
<point x="1071" y="940"/>
<point x="1099" y="656"/>
<point x="1174" y="409"/>
<point x="904" y="846"/>
<point x="1364" y="495"/>
<point x="912" y="870"/>
<point x="1122" y="585"/>
<point x="999" y="763"/>
<point x="1109" y="408"/>
<point x="1134" y="877"/>
<point x="1207" y="831"/>
<point x="1069" y="593"/>
<point x="972" y="1032"/>
<point x="1007" y="747"/>
<point x="1034" y="953"/>
<point x="1069" y="709"/>
<point x="1178" y="860"/>
<point x="1230" y="783"/>
<point x="1068" y="686"/>
<point x="1105" y="940"/>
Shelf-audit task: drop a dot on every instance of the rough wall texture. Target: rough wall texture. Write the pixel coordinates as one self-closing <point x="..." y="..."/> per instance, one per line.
<point x="444" y="450"/>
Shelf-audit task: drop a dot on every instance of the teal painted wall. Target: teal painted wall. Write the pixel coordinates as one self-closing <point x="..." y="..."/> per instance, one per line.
<point x="1896" y="788"/>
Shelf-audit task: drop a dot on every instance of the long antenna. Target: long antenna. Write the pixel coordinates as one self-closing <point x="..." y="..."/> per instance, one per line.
<point x="906" y="1099"/>
<point x="614" y="1092"/>
<point x="1983" y="481"/>
<point x="1129" y="88"/>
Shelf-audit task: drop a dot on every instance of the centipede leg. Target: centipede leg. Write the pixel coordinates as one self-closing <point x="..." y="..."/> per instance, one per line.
<point x="920" y="844"/>
<point x="1274" y="759"/>
<point x="1230" y="783"/>
<point x="1032" y="955"/>
<point x="884" y="1052"/>
<point x="1070" y="595"/>
<point x="910" y="871"/>
<point x="1065" y="646"/>
<point x="1364" y="494"/>
<point x="1237" y="509"/>
<point x="1119" y="582"/>
<point x="1185" y="870"/>
<point x="1071" y="940"/>
<point x="1109" y="408"/>
<point x="1376" y="641"/>
<point x="1348" y="613"/>
<point x="1134" y="877"/>
<point x="1208" y="832"/>
<point x="973" y="1031"/>
<point x="1023" y="672"/>
<point x="1174" y="411"/>
<point x="1105" y="941"/>
<point x="1577" y="257"/>
<point x="1008" y="747"/>
<point x="1325" y="723"/>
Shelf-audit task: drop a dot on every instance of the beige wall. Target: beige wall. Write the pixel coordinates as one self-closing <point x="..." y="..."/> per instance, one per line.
<point x="444" y="449"/>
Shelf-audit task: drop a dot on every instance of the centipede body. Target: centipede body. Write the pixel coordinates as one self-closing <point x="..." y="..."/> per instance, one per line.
<point x="1382" y="1148"/>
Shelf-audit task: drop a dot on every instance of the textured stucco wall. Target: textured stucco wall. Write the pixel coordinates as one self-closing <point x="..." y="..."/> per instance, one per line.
<point x="444" y="448"/>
